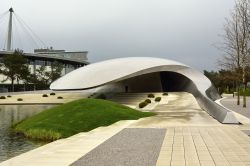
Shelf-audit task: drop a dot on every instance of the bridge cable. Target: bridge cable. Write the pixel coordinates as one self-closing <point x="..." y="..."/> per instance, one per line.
<point x="3" y="20"/>
<point x="4" y="14"/>
<point x="27" y="32"/>
<point x="17" y="33"/>
<point x="32" y="32"/>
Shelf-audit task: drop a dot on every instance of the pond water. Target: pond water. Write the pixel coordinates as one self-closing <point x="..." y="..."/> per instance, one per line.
<point x="12" y="144"/>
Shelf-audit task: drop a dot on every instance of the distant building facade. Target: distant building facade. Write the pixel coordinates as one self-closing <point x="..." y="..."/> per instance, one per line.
<point x="44" y="57"/>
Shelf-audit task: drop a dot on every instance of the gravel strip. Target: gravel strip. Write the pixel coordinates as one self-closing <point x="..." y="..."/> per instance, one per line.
<point x="130" y="147"/>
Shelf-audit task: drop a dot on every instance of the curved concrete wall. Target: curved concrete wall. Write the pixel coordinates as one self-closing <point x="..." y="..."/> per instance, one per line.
<point x="108" y="74"/>
<point x="207" y="102"/>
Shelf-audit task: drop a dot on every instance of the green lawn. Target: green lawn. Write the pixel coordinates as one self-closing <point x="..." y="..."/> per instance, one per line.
<point x="247" y="92"/>
<point x="241" y="91"/>
<point x="74" y="117"/>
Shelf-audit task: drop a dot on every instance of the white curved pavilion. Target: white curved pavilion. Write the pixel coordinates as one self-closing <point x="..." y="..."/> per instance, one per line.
<point x="144" y="74"/>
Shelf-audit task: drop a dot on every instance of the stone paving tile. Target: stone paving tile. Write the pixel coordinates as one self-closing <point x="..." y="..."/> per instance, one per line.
<point x="247" y="163"/>
<point x="205" y="146"/>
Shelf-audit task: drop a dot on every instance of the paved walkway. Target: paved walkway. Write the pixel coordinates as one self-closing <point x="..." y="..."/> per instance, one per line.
<point x="193" y="138"/>
<point x="208" y="146"/>
<point x="137" y="146"/>
<point x="182" y="109"/>
<point x="231" y="103"/>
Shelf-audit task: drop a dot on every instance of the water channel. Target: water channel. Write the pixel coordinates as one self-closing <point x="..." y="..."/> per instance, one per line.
<point x="12" y="144"/>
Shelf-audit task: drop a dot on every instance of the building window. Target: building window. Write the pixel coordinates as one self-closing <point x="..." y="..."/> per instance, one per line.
<point x="40" y="62"/>
<point x="31" y="62"/>
<point x="48" y="63"/>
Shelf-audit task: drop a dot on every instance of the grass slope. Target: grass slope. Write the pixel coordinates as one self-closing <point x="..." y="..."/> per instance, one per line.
<point x="74" y="117"/>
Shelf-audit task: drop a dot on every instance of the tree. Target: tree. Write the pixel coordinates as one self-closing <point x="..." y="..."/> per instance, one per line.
<point x="56" y="71"/>
<point x="223" y="80"/>
<point x="44" y="76"/>
<point x="213" y="76"/>
<point x="235" y="46"/>
<point x="14" y="67"/>
<point x="243" y="11"/>
<point x="40" y="77"/>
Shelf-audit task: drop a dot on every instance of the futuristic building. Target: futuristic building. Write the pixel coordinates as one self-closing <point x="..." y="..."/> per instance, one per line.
<point x="144" y="74"/>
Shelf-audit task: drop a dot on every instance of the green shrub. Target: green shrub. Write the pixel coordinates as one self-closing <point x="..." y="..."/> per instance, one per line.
<point x="59" y="97"/>
<point x="148" y="101"/>
<point x="19" y="99"/>
<point x="157" y="99"/>
<point x="9" y="96"/>
<point x="151" y="95"/>
<point x="2" y="97"/>
<point x="165" y="94"/>
<point x="92" y="95"/>
<point x="52" y="94"/>
<point x="45" y="95"/>
<point x="143" y="104"/>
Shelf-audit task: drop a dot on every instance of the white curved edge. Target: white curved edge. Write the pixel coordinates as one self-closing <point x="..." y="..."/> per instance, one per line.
<point x="240" y="118"/>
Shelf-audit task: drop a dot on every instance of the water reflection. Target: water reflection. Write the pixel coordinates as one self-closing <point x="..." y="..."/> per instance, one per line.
<point x="12" y="144"/>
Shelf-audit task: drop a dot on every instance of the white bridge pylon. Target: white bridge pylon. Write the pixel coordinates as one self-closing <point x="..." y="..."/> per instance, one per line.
<point x="13" y="35"/>
<point x="10" y="30"/>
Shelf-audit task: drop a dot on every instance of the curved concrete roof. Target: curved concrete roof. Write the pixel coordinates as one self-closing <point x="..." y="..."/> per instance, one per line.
<point x="104" y="72"/>
<point x="115" y="70"/>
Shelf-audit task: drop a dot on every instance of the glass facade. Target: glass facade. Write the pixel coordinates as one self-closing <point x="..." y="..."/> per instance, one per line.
<point x="31" y="62"/>
<point x="48" y="63"/>
<point x="68" y="67"/>
<point x="40" y="62"/>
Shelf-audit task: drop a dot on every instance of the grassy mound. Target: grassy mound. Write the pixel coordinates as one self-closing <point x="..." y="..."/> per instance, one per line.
<point x="74" y="117"/>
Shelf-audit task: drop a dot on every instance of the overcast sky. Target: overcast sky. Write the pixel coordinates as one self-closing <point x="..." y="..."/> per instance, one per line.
<point x="182" y="30"/>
